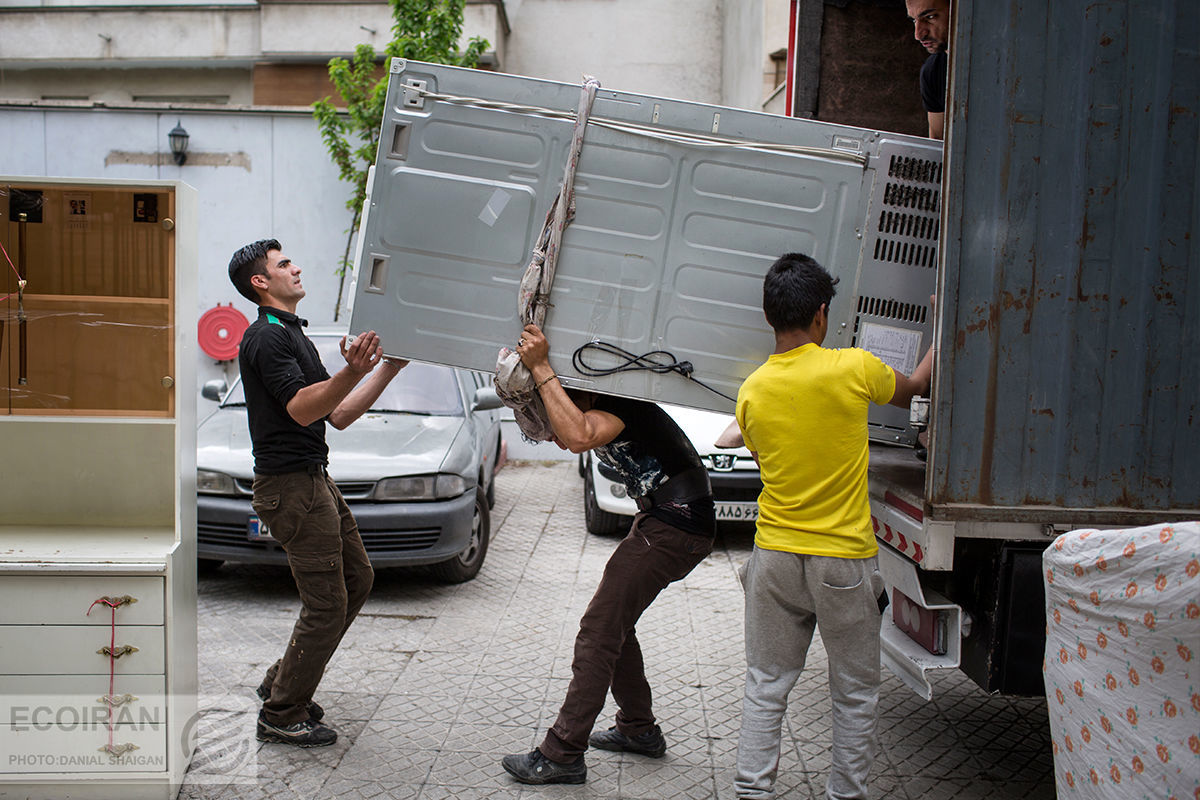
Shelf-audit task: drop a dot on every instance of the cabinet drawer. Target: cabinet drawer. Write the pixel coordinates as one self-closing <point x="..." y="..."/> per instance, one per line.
<point x="71" y="747"/>
<point x="72" y="650"/>
<point x="42" y="699"/>
<point x="64" y="600"/>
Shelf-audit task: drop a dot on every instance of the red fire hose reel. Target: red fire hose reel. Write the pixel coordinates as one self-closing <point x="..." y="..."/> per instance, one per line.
<point x="221" y="330"/>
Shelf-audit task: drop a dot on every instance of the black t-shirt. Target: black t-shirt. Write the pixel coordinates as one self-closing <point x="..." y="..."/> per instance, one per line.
<point x="277" y="360"/>
<point x="647" y="452"/>
<point x="933" y="83"/>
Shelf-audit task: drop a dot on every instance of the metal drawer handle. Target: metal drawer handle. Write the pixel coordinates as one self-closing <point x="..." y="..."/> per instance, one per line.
<point x="116" y="602"/>
<point x="119" y="700"/>
<point x="123" y="650"/>
<point x="117" y="750"/>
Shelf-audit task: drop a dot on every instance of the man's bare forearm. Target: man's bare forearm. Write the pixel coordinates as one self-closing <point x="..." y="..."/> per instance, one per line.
<point x="358" y="401"/>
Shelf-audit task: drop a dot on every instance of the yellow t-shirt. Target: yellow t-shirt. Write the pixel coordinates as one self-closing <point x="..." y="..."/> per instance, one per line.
<point x="804" y="413"/>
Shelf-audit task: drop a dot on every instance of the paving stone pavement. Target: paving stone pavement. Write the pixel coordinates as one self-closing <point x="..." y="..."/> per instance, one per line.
<point x="434" y="683"/>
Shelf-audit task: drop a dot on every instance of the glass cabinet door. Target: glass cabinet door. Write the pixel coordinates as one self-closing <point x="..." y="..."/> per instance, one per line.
<point x="91" y="332"/>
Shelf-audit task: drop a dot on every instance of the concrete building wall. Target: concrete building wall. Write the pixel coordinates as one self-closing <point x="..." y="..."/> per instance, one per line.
<point x="66" y="36"/>
<point x="121" y="86"/>
<point x="669" y="48"/>
<point x="115" y="55"/>
<point x="753" y="31"/>
<point x="741" y="79"/>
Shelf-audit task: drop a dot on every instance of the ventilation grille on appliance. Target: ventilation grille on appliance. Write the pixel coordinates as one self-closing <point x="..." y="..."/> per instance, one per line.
<point x="897" y="252"/>
<point x="909" y="168"/>
<point x="908" y="213"/>
<point x="890" y="309"/>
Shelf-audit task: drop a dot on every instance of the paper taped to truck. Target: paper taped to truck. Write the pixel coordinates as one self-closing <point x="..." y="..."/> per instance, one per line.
<point x="680" y="208"/>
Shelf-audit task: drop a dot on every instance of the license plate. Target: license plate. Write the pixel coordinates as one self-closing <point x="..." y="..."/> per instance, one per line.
<point x="258" y="531"/>
<point x="737" y="512"/>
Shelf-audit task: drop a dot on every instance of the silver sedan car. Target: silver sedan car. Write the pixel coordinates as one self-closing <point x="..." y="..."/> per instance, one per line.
<point x="417" y="470"/>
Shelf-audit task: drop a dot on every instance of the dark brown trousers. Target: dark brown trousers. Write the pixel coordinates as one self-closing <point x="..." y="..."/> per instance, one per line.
<point x="607" y="654"/>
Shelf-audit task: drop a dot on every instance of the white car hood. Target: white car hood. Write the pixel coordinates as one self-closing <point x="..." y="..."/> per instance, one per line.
<point x="375" y="446"/>
<point x="703" y="428"/>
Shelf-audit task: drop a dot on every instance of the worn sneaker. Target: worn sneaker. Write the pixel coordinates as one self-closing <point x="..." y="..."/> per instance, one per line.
<point x="651" y="743"/>
<point x="536" y="769"/>
<point x="315" y="712"/>
<point x="308" y="733"/>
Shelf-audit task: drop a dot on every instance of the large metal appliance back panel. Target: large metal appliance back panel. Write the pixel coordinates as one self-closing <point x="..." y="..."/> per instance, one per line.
<point x="670" y="240"/>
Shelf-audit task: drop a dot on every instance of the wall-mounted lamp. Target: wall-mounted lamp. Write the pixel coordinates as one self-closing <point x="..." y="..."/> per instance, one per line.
<point x="179" y="143"/>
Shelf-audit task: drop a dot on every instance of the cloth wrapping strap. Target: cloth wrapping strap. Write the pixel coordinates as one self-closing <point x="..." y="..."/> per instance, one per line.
<point x="514" y="383"/>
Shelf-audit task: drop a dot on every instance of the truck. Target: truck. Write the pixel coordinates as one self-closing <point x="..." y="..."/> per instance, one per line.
<point x="1055" y="229"/>
<point x="1066" y="384"/>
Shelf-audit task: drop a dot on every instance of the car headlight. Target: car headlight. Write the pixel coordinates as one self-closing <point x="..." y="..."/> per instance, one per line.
<point x="420" y="487"/>
<point x="214" y="483"/>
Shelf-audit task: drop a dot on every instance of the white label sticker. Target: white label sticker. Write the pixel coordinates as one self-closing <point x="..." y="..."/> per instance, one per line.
<point x="896" y="347"/>
<point x="495" y="207"/>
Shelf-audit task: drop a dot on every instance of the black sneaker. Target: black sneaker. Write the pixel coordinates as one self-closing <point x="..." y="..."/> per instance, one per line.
<point x="315" y="712"/>
<point x="536" y="769"/>
<point x="308" y="733"/>
<point x="651" y="743"/>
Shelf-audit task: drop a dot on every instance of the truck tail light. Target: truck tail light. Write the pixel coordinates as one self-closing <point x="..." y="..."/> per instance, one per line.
<point x="924" y="626"/>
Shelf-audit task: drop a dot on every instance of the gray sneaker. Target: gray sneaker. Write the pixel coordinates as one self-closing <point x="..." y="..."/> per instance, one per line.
<point x="535" y="768"/>
<point x="651" y="743"/>
<point x="315" y="712"/>
<point x="307" y="733"/>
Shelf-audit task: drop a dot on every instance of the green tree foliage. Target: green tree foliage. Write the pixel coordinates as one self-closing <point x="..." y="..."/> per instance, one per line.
<point x="424" y="30"/>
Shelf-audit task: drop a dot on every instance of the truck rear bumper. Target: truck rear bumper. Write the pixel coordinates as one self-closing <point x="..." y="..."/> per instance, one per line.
<point x="899" y="650"/>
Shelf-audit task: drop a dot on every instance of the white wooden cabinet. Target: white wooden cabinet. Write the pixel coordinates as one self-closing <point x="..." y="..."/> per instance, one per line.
<point x="97" y="489"/>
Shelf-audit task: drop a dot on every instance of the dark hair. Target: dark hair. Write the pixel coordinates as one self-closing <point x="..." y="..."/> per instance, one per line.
<point x="793" y="291"/>
<point x="250" y="260"/>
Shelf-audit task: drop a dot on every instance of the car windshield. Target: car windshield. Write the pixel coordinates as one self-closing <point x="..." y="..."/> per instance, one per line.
<point x="426" y="389"/>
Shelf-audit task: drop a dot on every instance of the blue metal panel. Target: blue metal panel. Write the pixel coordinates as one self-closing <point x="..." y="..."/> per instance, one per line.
<point x="1067" y="375"/>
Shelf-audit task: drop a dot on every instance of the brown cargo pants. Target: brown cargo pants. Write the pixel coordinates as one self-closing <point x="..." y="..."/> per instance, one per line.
<point x="307" y="515"/>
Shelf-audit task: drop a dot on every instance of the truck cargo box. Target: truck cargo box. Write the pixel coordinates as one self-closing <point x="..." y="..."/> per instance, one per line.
<point x="681" y="208"/>
<point x="1067" y="383"/>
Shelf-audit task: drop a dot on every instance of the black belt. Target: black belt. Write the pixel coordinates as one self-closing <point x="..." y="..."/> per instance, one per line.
<point x="682" y="488"/>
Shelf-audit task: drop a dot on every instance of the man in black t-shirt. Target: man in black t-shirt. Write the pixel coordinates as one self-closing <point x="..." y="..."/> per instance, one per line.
<point x="671" y="534"/>
<point x="931" y="27"/>
<point x="289" y="396"/>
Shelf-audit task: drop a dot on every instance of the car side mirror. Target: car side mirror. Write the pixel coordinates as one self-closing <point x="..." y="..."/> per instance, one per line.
<point x="486" y="399"/>
<point x="214" y="389"/>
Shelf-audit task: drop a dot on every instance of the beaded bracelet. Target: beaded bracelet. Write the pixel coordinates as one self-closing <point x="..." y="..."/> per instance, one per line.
<point x="544" y="381"/>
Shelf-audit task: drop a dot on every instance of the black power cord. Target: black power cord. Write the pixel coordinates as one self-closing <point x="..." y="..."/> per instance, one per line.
<point x="658" y="361"/>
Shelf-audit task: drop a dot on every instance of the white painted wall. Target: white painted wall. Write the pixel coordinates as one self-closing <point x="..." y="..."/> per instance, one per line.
<point x="287" y="189"/>
<point x="668" y="48"/>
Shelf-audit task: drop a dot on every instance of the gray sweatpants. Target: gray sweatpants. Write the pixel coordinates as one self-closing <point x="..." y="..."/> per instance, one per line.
<point x="786" y="596"/>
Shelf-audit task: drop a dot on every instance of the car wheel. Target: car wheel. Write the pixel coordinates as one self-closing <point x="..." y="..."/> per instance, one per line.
<point x="465" y="566"/>
<point x="207" y="566"/>
<point x="596" y="519"/>
<point x="583" y="464"/>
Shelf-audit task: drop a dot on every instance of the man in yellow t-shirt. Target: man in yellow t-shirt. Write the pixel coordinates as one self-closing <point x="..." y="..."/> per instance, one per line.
<point x="803" y="415"/>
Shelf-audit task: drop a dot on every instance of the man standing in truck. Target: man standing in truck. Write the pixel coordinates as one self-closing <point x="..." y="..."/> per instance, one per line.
<point x="803" y="416"/>
<point x="931" y="27"/>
